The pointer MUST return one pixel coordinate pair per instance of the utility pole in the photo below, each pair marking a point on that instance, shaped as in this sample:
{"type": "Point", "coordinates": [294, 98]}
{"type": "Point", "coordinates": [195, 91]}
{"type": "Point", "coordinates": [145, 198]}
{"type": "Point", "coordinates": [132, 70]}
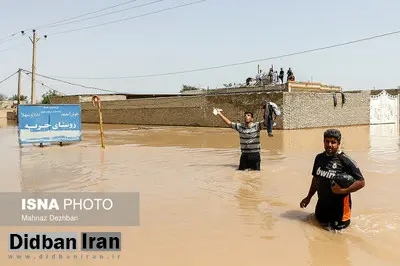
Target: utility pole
{"type": "Point", "coordinates": [33, 85]}
{"type": "Point", "coordinates": [19, 86]}
{"type": "Point", "coordinates": [34, 40]}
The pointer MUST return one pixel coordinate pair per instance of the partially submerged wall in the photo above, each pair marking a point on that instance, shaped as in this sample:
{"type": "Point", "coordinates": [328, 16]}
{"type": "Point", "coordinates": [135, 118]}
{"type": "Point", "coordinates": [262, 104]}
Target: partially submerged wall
{"type": "Point", "coordinates": [299, 109]}
{"type": "Point", "coordinates": [76, 99]}
{"type": "Point", "coordinates": [182, 111]}
{"type": "Point", "coordinates": [310, 110]}
{"type": "Point", "coordinates": [10, 114]}
{"type": "Point", "coordinates": [65, 100]}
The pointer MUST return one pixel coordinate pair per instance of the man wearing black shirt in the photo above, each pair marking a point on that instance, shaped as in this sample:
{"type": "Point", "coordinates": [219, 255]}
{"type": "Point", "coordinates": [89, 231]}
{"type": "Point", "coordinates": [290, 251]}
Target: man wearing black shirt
{"type": "Point", "coordinates": [281, 75]}
{"type": "Point", "coordinates": [333, 208]}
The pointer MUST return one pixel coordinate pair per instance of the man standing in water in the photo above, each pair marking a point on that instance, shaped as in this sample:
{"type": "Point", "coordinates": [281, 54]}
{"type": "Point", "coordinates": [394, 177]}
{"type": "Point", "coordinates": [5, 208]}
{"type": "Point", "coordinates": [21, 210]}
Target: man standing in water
{"type": "Point", "coordinates": [249, 133]}
{"type": "Point", "coordinates": [333, 210]}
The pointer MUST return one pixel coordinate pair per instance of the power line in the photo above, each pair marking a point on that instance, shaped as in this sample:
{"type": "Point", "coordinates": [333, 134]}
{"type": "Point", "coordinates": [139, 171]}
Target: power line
{"type": "Point", "coordinates": [4, 39]}
{"type": "Point", "coordinates": [54, 24]}
{"type": "Point", "coordinates": [240, 63]}
{"type": "Point", "coordinates": [129, 18]}
{"type": "Point", "coordinates": [44, 85]}
{"type": "Point", "coordinates": [8, 77]}
{"type": "Point", "coordinates": [12, 47]}
{"type": "Point", "coordinates": [73, 84]}
{"type": "Point", "coordinates": [103, 15]}
{"type": "Point", "coordinates": [9, 37]}
{"type": "Point", "coordinates": [86, 14]}
{"type": "Point", "coordinates": [48, 87]}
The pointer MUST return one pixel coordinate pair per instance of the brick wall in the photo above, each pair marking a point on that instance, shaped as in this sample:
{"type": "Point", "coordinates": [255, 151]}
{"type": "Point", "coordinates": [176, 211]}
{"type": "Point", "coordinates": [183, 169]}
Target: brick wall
{"type": "Point", "coordinates": [269, 88]}
{"type": "Point", "coordinates": [181, 111]}
{"type": "Point", "coordinates": [309, 110]}
{"type": "Point", "coordinates": [299, 109]}
{"type": "Point", "coordinates": [65, 100]}
{"type": "Point", "coordinates": [72, 99]}
{"type": "Point", "coordinates": [103, 98]}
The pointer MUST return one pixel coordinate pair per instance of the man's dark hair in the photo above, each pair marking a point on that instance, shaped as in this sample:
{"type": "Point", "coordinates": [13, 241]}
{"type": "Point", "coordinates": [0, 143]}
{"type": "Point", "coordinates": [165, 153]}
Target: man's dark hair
{"type": "Point", "coordinates": [333, 133]}
{"type": "Point", "coordinates": [249, 113]}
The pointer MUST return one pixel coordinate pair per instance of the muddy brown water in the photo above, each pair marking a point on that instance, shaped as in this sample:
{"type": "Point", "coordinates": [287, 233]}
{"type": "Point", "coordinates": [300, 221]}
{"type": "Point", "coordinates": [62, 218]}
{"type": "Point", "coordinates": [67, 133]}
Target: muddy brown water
{"type": "Point", "coordinates": [197, 209]}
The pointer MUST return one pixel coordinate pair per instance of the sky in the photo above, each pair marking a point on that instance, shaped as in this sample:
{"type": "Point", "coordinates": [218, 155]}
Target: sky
{"type": "Point", "coordinates": [206, 34]}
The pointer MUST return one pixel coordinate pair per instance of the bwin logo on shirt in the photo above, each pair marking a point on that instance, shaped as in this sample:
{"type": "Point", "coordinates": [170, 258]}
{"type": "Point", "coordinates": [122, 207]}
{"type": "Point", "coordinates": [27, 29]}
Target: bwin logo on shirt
{"type": "Point", "coordinates": [324, 173]}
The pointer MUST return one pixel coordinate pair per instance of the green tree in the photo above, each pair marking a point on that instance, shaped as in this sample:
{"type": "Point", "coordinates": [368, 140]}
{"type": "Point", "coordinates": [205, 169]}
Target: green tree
{"type": "Point", "coordinates": [21, 97]}
{"type": "Point", "coordinates": [230, 85]}
{"type": "Point", "coordinates": [48, 95]}
{"type": "Point", "coordinates": [189, 88]}
{"type": "Point", "coordinates": [3, 97]}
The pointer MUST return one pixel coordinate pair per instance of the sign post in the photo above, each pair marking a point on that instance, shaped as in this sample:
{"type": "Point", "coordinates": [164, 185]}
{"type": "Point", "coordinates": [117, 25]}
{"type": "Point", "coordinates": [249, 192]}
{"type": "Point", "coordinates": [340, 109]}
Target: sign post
{"type": "Point", "coordinates": [49, 123]}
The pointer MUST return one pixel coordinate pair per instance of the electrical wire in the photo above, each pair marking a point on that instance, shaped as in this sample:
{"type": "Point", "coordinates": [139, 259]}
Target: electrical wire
{"type": "Point", "coordinates": [83, 15]}
{"type": "Point", "coordinates": [4, 80]}
{"type": "Point", "coordinates": [48, 87]}
{"type": "Point", "coordinates": [125, 19]}
{"type": "Point", "coordinates": [103, 15]}
{"type": "Point", "coordinates": [44, 85]}
{"type": "Point", "coordinates": [11, 36]}
{"type": "Point", "coordinates": [60, 22]}
{"type": "Point", "coordinates": [73, 84]}
{"type": "Point", "coordinates": [239, 63]}
{"type": "Point", "coordinates": [8, 38]}
{"type": "Point", "coordinates": [12, 47]}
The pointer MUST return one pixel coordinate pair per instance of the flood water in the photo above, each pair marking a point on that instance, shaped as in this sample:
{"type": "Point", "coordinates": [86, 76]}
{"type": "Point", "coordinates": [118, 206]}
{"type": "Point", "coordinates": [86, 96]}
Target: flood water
{"type": "Point", "coordinates": [197, 209]}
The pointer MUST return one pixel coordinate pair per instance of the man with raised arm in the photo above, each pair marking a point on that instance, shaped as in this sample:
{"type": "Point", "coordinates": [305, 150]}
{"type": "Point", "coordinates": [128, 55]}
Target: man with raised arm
{"type": "Point", "coordinates": [249, 133]}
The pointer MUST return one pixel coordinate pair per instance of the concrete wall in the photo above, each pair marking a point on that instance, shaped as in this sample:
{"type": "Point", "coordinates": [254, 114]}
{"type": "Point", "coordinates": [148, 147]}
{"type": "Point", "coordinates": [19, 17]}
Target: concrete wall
{"type": "Point", "coordinates": [292, 86]}
{"type": "Point", "coordinates": [6, 104]}
{"type": "Point", "coordinates": [7, 113]}
{"type": "Point", "coordinates": [65, 100]}
{"type": "Point", "coordinates": [181, 111]}
{"type": "Point", "coordinates": [266, 88]}
{"type": "Point", "coordinates": [76, 99]}
{"type": "Point", "coordinates": [103, 98]}
{"type": "Point", "coordinates": [299, 109]}
{"type": "Point", "coordinates": [3, 113]}
{"type": "Point", "coordinates": [309, 110]}
{"type": "Point", "coordinates": [9, 103]}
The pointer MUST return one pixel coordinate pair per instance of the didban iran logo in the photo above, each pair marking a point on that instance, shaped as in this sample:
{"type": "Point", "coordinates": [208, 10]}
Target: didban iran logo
{"type": "Point", "coordinates": [64, 241]}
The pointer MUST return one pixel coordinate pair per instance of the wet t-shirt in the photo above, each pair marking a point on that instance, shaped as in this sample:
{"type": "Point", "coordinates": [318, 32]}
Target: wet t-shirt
{"type": "Point", "coordinates": [249, 136]}
{"type": "Point", "coordinates": [331, 206]}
